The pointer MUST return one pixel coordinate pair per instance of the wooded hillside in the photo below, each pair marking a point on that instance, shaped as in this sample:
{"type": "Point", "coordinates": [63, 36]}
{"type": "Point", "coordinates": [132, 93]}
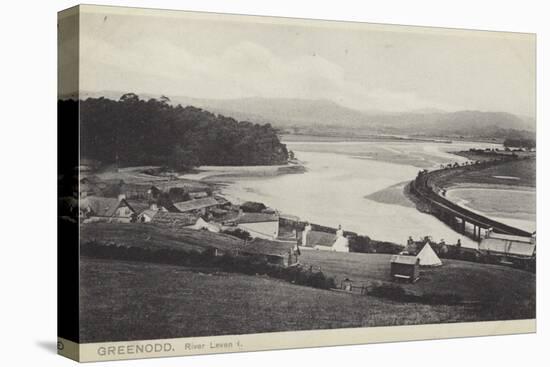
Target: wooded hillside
{"type": "Point", "coordinates": [132, 131]}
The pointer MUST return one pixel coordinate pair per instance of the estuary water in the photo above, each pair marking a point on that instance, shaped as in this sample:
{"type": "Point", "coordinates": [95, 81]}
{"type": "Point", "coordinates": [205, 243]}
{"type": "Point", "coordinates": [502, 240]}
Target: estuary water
{"type": "Point", "coordinates": [340, 178]}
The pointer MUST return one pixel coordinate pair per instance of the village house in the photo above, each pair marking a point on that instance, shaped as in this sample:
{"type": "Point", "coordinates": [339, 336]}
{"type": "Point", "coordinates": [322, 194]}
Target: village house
{"type": "Point", "coordinates": [259, 225]}
{"type": "Point", "coordinates": [97, 208]}
{"type": "Point", "coordinates": [325, 241]}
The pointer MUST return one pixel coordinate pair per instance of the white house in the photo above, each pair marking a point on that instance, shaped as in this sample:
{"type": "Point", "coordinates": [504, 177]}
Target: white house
{"type": "Point", "coordinates": [325, 241]}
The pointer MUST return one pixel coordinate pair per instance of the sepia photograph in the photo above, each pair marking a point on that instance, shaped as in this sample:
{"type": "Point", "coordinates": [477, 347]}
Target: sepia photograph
{"type": "Point", "coordinates": [240, 175]}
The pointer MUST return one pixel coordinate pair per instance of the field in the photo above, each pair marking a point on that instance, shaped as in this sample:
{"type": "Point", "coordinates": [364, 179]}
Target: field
{"type": "Point", "coordinates": [519, 204]}
{"type": "Point", "coordinates": [131, 301]}
{"type": "Point", "coordinates": [137, 300]}
{"type": "Point", "coordinates": [523, 171]}
{"type": "Point", "coordinates": [472, 282]}
{"type": "Point", "coordinates": [151, 236]}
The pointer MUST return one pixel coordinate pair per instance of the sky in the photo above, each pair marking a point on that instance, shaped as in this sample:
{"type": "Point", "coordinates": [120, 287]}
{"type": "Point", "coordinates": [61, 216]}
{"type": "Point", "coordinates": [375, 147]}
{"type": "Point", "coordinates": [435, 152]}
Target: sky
{"type": "Point", "coordinates": [360, 66]}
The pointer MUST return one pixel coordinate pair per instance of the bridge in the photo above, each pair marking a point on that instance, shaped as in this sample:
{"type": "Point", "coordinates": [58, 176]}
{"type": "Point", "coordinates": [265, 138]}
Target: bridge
{"type": "Point", "coordinates": [457, 217]}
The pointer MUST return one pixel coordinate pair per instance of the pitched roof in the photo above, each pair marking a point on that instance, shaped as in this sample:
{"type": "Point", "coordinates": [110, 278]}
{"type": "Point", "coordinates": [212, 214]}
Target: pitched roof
{"type": "Point", "coordinates": [196, 204]}
{"type": "Point", "coordinates": [174, 219]}
{"type": "Point", "coordinates": [265, 247]}
{"type": "Point", "coordinates": [257, 218]}
{"type": "Point", "coordinates": [138, 206]}
{"type": "Point", "coordinates": [102, 206]}
{"type": "Point", "coordinates": [402, 259]}
{"type": "Point", "coordinates": [151, 213]}
{"type": "Point", "coordinates": [318, 238]}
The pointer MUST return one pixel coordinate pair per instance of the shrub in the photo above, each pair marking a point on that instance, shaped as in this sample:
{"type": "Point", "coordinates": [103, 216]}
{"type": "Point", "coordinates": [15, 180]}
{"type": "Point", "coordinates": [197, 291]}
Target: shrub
{"type": "Point", "coordinates": [366, 245]}
{"type": "Point", "coordinates": [250, 265]}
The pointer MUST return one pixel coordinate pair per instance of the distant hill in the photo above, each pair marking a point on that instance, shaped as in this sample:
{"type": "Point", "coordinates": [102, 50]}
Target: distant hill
{"type": "Point", "coordinates": [297, 115]}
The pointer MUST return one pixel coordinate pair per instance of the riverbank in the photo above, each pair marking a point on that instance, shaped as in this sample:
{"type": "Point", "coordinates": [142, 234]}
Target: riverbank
{"type": "Point", "coordinates": [216, 174]}
{"type": "Point", "coordinates": [393, 195]}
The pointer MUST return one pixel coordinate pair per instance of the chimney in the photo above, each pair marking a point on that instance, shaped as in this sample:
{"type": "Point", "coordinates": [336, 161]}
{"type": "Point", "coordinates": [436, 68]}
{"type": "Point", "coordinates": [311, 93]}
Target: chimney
{"type": "Point", "coordinates": [121, 197]}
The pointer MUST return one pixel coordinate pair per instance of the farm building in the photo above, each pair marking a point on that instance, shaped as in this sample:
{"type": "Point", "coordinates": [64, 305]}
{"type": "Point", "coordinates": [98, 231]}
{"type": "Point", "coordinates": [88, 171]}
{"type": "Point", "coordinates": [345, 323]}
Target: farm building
{"type": "Point", "coordinates": [325, 241]}
{"type": "Point", "coordinates": [276, 253]}
{"type": "Point", "coordinates": [260, 225]}
{"type": "Point", "coordinates": [405, 268]}
{"type": "Point", "coordinates": [197, 206]}
{"type": "Point", "coordinates": [508, 246]}
{"type": "Point", "coordinates": [174, 220]}
{"type": "Point", "coordinates": [97, 208]}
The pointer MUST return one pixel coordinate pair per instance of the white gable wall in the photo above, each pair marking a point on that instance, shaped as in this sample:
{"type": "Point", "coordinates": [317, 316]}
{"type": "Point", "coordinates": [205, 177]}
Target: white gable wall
{"type": "Point", "coordinates": [265, 230]}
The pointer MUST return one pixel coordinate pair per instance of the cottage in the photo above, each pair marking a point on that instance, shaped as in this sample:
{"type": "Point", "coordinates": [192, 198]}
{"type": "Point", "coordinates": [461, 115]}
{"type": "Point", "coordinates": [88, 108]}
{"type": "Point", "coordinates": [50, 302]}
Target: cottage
{"type": "Point", "coordinates": [325, 241]}
{"type": "Point", "coordinates": [259, 225]}
{"type": "Point", "coordinates": [404, 267]}
{"type": "Point", "coordinates": [97, 208]}
{"type": "Point", "coordinates": [278, 253]}
{"type": "Point", "coordinates": [197, 206]}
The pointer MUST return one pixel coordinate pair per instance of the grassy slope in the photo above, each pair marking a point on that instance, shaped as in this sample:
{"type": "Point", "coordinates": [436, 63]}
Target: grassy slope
{"type": "Point", "coordinates": [497, 292]}
{"type": "Point", "coordinates": [152, 236]}
{"type": "Point", "coordinates": [474, 282]}
{"type": "Point", "coordinates": [132, 301]}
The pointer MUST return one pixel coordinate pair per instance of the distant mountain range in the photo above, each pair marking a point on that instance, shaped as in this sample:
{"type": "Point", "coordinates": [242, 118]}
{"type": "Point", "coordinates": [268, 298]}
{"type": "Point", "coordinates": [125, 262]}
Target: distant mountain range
{"type": "Point", "coordinates": [303, 116]}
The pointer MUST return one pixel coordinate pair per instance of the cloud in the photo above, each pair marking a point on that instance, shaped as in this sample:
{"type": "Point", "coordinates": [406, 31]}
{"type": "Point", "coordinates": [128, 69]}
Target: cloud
{"type": "Point", "coordinates": [242, 70]}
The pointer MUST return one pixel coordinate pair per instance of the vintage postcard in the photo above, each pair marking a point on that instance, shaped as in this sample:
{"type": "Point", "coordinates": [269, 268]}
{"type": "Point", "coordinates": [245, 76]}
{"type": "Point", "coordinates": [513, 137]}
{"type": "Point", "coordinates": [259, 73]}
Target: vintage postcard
{"type": "Point", "coordinates": [234, 183]}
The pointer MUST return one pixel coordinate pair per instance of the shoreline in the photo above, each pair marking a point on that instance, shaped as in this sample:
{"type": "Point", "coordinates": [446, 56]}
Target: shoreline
{"type": "Point", "coordinates": [212, 174]}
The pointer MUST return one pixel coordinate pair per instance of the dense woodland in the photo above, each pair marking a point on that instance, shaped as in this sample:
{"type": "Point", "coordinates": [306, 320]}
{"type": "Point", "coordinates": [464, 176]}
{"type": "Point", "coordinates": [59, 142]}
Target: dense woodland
{"type": "Point", "coordinates": [132, 131]}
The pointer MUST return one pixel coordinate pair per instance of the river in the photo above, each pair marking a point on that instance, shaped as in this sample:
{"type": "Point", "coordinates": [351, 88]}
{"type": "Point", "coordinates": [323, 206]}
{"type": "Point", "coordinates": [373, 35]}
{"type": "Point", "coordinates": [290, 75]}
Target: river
{"type": "Point", "coordinates": [341, 175]}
